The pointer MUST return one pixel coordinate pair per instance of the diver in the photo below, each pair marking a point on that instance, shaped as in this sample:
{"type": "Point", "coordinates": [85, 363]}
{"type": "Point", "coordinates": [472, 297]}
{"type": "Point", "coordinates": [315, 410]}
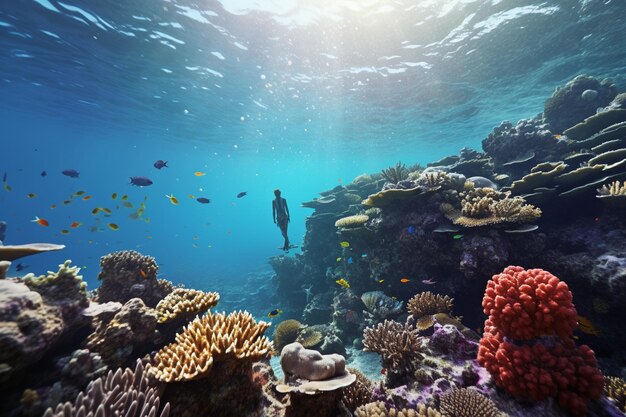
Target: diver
{"type": "Point", "coordinates": [280, 213]}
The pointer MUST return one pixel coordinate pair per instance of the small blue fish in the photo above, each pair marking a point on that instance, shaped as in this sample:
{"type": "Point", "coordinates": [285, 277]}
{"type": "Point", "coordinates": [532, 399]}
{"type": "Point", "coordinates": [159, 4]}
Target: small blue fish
{"type": "Point", "coordinates": [203, 200]}
{"type": "Point", "coordinates": [160, 164]}
{"type": "Point", "coordinates": [350, 260]}
{"type": "Point", "coordinates": [72, 173]}
{"type": "Point", "coordinates": [410, 230]}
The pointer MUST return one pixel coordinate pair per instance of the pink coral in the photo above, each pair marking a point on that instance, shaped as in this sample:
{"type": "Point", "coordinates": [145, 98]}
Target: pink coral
{"type": "Point", "coordinates": [528, 347]}
{"type": "Point", "coordinates": [524, 304]}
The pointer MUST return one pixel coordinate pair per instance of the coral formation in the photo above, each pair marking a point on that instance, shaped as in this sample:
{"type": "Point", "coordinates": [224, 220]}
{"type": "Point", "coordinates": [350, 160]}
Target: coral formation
{"type": "Point", "coordinates": [183, 303]}
{"type": "Point", "coordinates": [424, 305]}
{"type": "Point", "coordinates": [379, 409]}
{"type": "Point", "coordinates": [615, 389]}
{"type": "Point", "coordinates": [466, 402]}
{"type": "Point", "coordinates": [356, 220]}
{"type": "Point", "coordinates": [527, 345]}
{"type": "Point", "coordinates": [214, 337]}
{"type": "Point", "coordinates": [614, 188]}
{"type": "Point", "coordinates": [13, 252]}
{"type": "Point", "coordinates": [359, 393]}
{"type": "Point", "coordinates": [381, 305]}
{"type": "Point", "coordinates": [127, 392]}
{"type": "Point", "coordinates": [286, 332]}
{"type": "Point", "coordinates": [129, 274]}
{"type": "Point", "coordinates": [396, 173]}
{"type": "Point", "coordinates": [309, 364]}
{"type": "Point", "coordinates": [309, 337]}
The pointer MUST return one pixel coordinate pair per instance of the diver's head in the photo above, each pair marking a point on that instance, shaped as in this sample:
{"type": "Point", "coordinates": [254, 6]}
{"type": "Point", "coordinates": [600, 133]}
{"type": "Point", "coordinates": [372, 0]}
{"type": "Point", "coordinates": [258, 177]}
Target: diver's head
{"type": "Point", "coordinates": [277, 192]}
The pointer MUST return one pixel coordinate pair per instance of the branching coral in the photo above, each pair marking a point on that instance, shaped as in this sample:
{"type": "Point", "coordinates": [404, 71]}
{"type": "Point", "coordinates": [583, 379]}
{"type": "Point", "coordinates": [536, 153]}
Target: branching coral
{"type": "Point", "coordinates": [614, 188]}
{"type": "Point", "coordinates": [615, 389]}
{"type": "Point", "coordinates": [183, 303]}
{"type": "Point", "coordinates": [286, 332]}
{"type": "Point", "coordinates": [395, 174]}
{"type": "Point", "coordinates": [378, 409]}
{"type": "Point", "coordinates": [398, 344]}
{"type": "Point", "coordinates": [359, 393]}
{"type": "Point", "coordinates": [467, 402]}
{"type": "Point", "coordinates": [121, 393]}
{"type": "Point", "coordinates": [357, 220]}
{"type": "Point", "coordinates": [380, 304]}
{"type": "Point", "coordinates": [426, 304]}
{"type": "Point", "coordinates": [212, 337]}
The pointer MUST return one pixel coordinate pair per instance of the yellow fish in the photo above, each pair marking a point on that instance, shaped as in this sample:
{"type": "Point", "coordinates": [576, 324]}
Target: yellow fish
{"type": "Point", "coordinates": [344, 244]}
{"type": "Point", "coordinates": [106, 210]}
{"type": "Point", "coordinates": [79, 193]}
{"type": "Point", "coordinates": [147, 220]}
{"type": "Point", "coordinates": [53, 206]}
{"type": "Point", "coordinates": [113, 226]}
{"type": "Point", "coordinates": [338, 259]}
{"type": "Point", "coordinates": [96, 210]}
{"type": "Point", "coordinates": [192, 196]}
{"type": "Point", "coordinates": [381, 281]}
{"type": "Point", "coordinates": [199, 174]}
{"type": "Point", "coordinates": [114, 196]}
{"type": "Point", "coordinates": [65, 232]}
{"type": "Point", "coordinates": [586, 326]}
{"type": "Point", "coordinates": [127, 204]}
{"type": "Point", "coordinates": [124, 197]}
{"type": "Point", "coordinates": [173, 199]}
{"type": "Point", "coordinates": [31, 195]}
{"type": "Point", "coordinates": [343, 283]}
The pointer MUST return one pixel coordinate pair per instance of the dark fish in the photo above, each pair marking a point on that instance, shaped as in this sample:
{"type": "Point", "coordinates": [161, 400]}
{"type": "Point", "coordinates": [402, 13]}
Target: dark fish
{"type": "Point", "coordinates": [43, 173]}
{"type": "Point", "coordinates": [4, 177]}
{"type": "Point", "coordinates": [20, 267]}
{"type": "Point", "coordinates": [70, 173]}
{"type": "Point", "coordinates": [160, 164]}
{"type": "Point", "coordinates": [140, 181]}
{"type": "Point", "coordinates": [203, 200]}
{"type": "Point", "coordinates": [241, 194]}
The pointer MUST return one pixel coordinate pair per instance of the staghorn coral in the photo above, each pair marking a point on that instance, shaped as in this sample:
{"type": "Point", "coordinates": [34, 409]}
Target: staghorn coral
{"type": "Point", "coordinates": [359, 393]}
{"type": "Point", "coordinates": [466, 402]}
{"type": "Point", "coordinates": [379, 409]}
{"type": "Point", "coordinates": [129, 274]}
{"type": "Point", "coordinates": [427, 304]}
{"type": "Point", "coordinates": [614, 188]}
{"type": "Point", "coordinates": [615, 389]}
{"type": "Point", "coordinates": [396, 173]}
{"type": "Point", "coordinates": [129, 393]}
{"type": "Point", "coordinates": [212, 337]}
{"type": "Point", "coordinates": [381, 305]}
{"type": "Point", "coordinates": [398, 345]}
{"type": "Point", "coordinates": [183, 303]}
{"type": "Point", "coordinates": [357, 220]}
{"type": "Point", "coordinates": [286, 332]}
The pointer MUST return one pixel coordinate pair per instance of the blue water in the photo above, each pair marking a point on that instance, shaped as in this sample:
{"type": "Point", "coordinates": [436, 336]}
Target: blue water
{"type": "Point", "coordinates": [299, 95]}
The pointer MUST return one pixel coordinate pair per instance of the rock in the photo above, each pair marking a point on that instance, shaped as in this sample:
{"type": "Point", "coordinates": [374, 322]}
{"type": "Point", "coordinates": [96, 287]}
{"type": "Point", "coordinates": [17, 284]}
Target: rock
{"type": "Point", "coordinates": [309, 364]}
{"type": "Point", "coordinates": [3, 230]}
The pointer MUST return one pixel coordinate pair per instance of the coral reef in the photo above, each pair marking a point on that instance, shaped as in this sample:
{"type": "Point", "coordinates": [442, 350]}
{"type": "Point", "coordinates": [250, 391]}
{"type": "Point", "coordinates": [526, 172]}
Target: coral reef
{"type": "Point", "coordinates": [379, 409]}
{"type": "Point", "coordinates": [299, 362]}
{"type": "Point", "coordinates": [286, 332]}
{"type": "Point", "coordinates": [396, 173]}
{"type": "Point", "coordinates": [426, 304]}
{"type": "Point", "coordinates": [380, 305]}
{"type": "Point", "coordinates": [129, 274]}
{"type": "Point", "coordinates": [466, 402]}
{"type": "Point", "coordinates": [527, 345]}
{"type": "Point", "coordinates": [359, 393]}
{"type": "Point", "coordinates": [356, 220]}
{"type": "Point", "coordinates": [182, 304]}
{"type": "Point", "coordinates": [127, 392]}
{"type": "Point", "coordinates": [615, 389]}
{"type": "Point", "coordinates": [214, 337]}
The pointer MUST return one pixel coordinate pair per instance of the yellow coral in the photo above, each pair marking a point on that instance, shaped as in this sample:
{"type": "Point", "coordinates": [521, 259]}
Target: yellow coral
{"type": "Point", "coordinates": [212, 337]}
{"type": "Point", "coordinates": [352, 221]}
{"type": "Point", "coordinates": [615, 388]}
{"type": "Point", "coordinates": [378, 409]}
{"type": "Point", "coordinates": [184, 303]}
{"type": "Point", "coordinates": [614, 188]}
{"type": "Point", "coordinates": [467, 402]}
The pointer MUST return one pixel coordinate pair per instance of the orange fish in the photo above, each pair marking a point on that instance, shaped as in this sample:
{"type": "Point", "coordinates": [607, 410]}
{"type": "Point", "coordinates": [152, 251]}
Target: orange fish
{"type": "Point", "coordinates": [143, 274]}
{"type": "Point", "coordinates": [405, 280]}
{"type": "Point", "coordinates": [87, 197]}
{"type": "Point", "coordinates": [383, 371]}
{"type": "Point", "coordinates": [74, 225]}
{"type": "Point", "coordinates": [41, 222]}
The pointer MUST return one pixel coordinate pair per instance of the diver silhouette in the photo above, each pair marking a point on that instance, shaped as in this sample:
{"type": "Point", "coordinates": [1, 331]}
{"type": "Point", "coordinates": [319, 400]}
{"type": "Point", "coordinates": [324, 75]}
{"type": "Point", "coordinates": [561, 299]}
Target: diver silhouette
{"type": "Point", "coordinates": [280, 213]}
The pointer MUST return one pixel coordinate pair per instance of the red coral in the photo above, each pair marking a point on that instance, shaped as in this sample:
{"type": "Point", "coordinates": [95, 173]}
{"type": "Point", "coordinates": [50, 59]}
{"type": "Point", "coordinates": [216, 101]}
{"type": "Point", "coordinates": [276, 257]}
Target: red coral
{"type": "Point", "coordinates": [527, 345]}
{"type": "Point", "coordinates": [527, 304]}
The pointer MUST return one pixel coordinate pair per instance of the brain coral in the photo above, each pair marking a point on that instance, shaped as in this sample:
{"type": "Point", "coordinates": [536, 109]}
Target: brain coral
{"type": "Point", "coordinates": [212, 337]}
{"type": "Point", "coordinates": [183, 303]}
{"type": "Point", "coordinates": [524, 304]}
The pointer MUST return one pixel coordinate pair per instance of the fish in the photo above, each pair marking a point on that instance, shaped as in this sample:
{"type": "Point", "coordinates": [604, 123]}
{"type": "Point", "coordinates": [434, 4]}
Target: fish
{"type": "Point", "coordinates": [380, 281]}
{"type": "Point", "coordinates": [339, 259]}
{"type": "Point", "coordinates": [457, 237]}
{"type": "Point", "coordinates": [364, 255]}
{"type": "Point", "coordinates": [383, 371]}
{"type": "Point", "coordinates": [405, 280]}
{"type": "Point", "coordinates": [87, 197]}
{"type": "Point", "coordinates": [557, 136]}
{"type": "Point", "coordinates": [114, 196]}
{"type": "Point", "coordinates": [96, 210]}
{"type": "Point", "coordinates": [203, 200]}
{"type": "Point", "coordinates": [350, 260]}
{"type": "Point", "coordinates": [344, 244]}
{"type": "Point", "coordinates": [53, 206]}
{"type": "Point", "coordinates": [20, 267]}
{"type": "Point", "coordinates": [147, 220]}
{"type": "Point", "coordinates": [173, 199]}
{"type": "Point", "coordinates": [74, 225]}
{"type": "Point", "coordinates": [31, 195]}
{"type": "Point", "coordinates": [127, 204]}
{"type": "Point", "coordinates": [199, 174]}
{"type": "Point", "coordinates": [586, 326]}
{"type": "Point", "coordinates": [160, 164]}
{"type": "Point", "coordinates": [124, 197]}
{"type": "Point", "coordinates": [7, 187]}
{"type": "Point", "coordinates": [410, 230]}
{"type": "Point", "coordinates": [65, 232]}
{"type": "Point", "coordinates": [43, 173]}
{"type": "Point", "coordinates": [274, 313]}
{"type": "Point", "coordinates": [242, 194]}
{"type": "Point", "coordinates": [93, 229]}
{"type": "Point", "coordinates": [113, 226]}
{"type": "Point", "coordinates": [140, 181]}
{"type": "Point", "coordinates": [191, 196]}
{"type": "Point", "coordinates": [72, 173]}
{"type": "Point", "coordinates": [343, 283]}
{"type": "Point", "coordinates": [78, 193]}
{"type": "Point", "coordinates": [428, 281]}
{"type": "Point", "coordinates": [106, 210]}
{"type": "Point", "coordinates": [41, 222]}
{"type": "Point", "coordinates": [143, 273]}
{"type": "Point", "coordinates": [66, 202]}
